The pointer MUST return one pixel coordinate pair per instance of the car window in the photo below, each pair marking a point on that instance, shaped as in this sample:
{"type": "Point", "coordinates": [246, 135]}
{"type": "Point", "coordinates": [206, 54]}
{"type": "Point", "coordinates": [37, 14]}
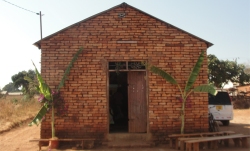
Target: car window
{"type": "Point", "coordinates": [222, 98]}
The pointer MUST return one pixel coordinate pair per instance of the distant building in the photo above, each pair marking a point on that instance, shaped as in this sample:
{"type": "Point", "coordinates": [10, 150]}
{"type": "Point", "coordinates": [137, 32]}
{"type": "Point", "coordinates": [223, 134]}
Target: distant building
{"type": "Point", "coordinates": [15, 93]}
{"type": "Point", "coordinates": [4, 92]}
{"type": "Point", "coordinates": [10, 94]}
{"type": "Point", "coordinates": [244, 90]}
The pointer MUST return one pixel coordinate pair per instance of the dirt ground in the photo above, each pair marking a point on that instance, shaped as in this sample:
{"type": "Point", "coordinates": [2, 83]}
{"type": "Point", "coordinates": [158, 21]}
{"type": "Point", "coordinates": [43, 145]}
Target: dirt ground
{"type": "Point", "coordinates": [17, 139]}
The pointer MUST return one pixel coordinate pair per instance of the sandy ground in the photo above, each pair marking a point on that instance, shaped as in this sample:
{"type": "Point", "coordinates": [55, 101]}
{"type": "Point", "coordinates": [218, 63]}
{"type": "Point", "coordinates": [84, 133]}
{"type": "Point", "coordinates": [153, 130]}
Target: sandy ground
{"type": "Point", "coordinates": [17, 139]}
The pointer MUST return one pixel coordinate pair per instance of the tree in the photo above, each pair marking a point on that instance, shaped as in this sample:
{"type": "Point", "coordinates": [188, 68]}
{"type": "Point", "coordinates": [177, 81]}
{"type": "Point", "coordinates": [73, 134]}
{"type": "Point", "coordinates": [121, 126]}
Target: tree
{"type": "Point", "coordinates": [244, 74]}
{"type": "Point", "coordinates": [19, 81]}
{"type": "Point", "coordinates": [220, 72]}
{"type": "Point", "coordinates": [10, 88]}
{"type": "Point", "coordinates": [186, 92]}
{"type": "Point", "coordinates": [1, 95]}
{"type": "Point", "coordinates": [247, 68]}
{"type": "Point", "coordinates": [215, 71]}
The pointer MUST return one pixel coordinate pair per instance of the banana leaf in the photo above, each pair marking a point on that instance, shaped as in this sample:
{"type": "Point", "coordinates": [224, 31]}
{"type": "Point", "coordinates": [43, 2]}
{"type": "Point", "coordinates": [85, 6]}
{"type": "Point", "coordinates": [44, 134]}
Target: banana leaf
{"type": "Point", "coordinates": [43, 87]}
{"type": "Point", "coordinates": [206, 88]}
{"type": "Point", "coordinates": [28, 79]}
{"type": "Point", "coordinates": [37, 120]}
{"type": "Point", "coordinates": [195, 72]}
{"type": "Point", "coordinates": [163, 74]}
{"type": "Point", "coordinates": [65, 76]}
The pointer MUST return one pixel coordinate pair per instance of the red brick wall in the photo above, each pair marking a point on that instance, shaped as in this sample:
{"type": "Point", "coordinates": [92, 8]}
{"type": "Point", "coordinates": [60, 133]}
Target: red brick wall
{"type": "Point", "coordinates": [85, 91]}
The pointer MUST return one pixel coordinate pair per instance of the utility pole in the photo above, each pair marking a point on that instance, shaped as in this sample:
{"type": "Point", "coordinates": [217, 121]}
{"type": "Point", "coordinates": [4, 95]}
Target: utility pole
{"type": "Point", "coordinates": [41, 28]}
{"type": "Point", "coordinates": [41, 25]}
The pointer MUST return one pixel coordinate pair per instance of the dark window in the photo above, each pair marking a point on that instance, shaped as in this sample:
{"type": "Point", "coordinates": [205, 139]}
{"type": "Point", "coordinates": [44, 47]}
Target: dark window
{"type": "Point", "coordinates": [222, 98]}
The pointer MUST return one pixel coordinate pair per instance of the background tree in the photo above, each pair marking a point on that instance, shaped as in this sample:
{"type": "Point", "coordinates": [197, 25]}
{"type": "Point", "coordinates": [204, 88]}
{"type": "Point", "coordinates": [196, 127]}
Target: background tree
{"type": "Point", "coordinates": [221, 72]}
{"type": "Point", "coordinates": [215, 71]}
{"type": "Point", "coordinates": [247, 68]}
{"type": "Point", "coordinates": [1, 95]}
{"type": "Point", "coordinates": [244, 76]}
{"type": "Point", "coordinates": [19, 81]}
{"type": "Point", "coordinates": [10, 88]}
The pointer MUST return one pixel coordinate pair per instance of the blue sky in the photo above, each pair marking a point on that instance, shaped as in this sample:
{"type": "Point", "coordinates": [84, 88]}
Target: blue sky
{"type": "Point", "coordinates": [225, 23]}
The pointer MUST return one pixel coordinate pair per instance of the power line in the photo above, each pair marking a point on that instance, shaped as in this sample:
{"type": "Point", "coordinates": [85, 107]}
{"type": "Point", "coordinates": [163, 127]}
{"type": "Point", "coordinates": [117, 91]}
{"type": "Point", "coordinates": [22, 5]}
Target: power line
{"type": "Point", "coordinates": [21, 7]}
{"type": "Point", "coordinates": [40, 14]}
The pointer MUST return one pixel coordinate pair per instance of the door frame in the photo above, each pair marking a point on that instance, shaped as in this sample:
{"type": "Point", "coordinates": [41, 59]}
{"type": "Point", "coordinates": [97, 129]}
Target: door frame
{"type": "Point", "coordinates": [107, 90]}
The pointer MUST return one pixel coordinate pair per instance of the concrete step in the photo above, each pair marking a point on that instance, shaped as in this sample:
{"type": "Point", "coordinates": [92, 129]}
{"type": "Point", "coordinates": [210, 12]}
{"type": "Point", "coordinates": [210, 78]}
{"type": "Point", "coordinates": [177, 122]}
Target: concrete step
{"type": "Point", "coordinates": [129, 144]}
{"type": "Point", "coordinates": [128, 137]}
{"type": "Point", "coordinates": [128, 140]}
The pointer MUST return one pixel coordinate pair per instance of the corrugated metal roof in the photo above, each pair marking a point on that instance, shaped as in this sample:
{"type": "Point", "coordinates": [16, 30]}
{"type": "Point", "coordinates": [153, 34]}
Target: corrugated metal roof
{"type": "Point", "coordinates": [121, 5]}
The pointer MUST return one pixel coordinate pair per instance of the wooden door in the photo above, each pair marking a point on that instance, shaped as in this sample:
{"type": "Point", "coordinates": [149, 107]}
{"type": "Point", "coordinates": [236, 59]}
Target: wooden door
{"type": "Point", "coordinates": [137, 104]}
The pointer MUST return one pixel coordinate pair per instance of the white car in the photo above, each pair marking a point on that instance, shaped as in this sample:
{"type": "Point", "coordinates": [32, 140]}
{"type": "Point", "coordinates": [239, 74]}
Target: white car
{"type": "Point", "coordinates": [221, 107]}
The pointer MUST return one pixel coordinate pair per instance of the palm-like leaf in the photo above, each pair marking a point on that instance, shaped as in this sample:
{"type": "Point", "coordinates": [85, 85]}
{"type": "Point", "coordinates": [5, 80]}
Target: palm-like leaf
{"type": "Point", "coordinates": [37, 120]}
{"type": "Point", "coordinates": [66, 73]}
{"type": "Point", "coordinates": [192, 78]}
{"type": "Point", "coordinates": [206, 88]}
{"type": "Point", "coordinates": [43, 87]}
{"type": "Point", "coordinates": [28, 79]}
{"type": "Point", "coordinates": [163, 74]}
{"type": "Point", "coordinates": [195, 72]}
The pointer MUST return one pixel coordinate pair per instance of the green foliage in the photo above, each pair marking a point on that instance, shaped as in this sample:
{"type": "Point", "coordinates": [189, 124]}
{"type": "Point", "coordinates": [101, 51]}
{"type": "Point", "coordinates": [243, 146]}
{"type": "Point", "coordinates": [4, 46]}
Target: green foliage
{"type": "Point", "coordinates": [47, 96]}
{"type": "Point", "coordinates": [195, 72]}
{"type": "Point", "coordinates": [10, 88]}
{"type": "Point", "coordinates": [65, 76]}
{"type": "Point", "coordinates": [33, 84]}
{"type": "Point", "coordinates": [188, 88]}
{"type": "Point", "coordinates": [38, 118]}
{"type": "Point", "coordinates": [205, 88]}
{"type": "Point", "coordinates": [244, 74]}
{"type": "Point", "coordinates": [247, 68]}
{"type": "Point", "coordinates": [43, 87]}
{"type": "Point", "coordinates": [19, 81]}
{"type": "Point", "coordinates": [221, 72]}
{"type": "Point", "coordinates": [163, 74]}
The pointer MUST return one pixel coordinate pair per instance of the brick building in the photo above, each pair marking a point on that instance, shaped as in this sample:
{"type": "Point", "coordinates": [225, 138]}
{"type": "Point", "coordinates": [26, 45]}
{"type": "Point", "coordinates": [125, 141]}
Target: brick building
{"type": "Point", "coordinates": [115, 41]}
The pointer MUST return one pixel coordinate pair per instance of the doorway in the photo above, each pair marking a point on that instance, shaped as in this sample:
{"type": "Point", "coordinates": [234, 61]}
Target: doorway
{"type": "Point", "coordinates": [118, 102]}
{"type": "Point", "coordinates": [127, 102]}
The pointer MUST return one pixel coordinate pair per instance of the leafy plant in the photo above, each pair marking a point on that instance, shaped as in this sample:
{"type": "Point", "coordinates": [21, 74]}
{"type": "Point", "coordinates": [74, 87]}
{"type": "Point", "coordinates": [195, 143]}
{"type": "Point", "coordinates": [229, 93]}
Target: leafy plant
{"type": "Point", "coordinates": [185, 93]}
{"type": "Point", "coordinates": [49, 98]}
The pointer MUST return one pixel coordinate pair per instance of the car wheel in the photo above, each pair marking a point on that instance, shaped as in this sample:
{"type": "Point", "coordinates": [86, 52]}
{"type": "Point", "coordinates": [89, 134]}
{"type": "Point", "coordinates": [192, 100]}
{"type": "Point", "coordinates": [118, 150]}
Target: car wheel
{"type": "Point", "coordinates": [225, 123]}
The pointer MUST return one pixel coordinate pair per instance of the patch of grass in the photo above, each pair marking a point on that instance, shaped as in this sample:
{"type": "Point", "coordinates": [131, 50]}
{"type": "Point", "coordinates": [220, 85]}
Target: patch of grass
{"type": "Point", "coordinates": [14, 111]}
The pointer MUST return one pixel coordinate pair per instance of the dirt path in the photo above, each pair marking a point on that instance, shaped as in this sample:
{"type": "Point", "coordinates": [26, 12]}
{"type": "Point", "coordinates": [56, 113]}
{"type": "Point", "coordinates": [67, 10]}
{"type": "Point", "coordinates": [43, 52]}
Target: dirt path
{"type": "Point", "coordinates": [18, 139]}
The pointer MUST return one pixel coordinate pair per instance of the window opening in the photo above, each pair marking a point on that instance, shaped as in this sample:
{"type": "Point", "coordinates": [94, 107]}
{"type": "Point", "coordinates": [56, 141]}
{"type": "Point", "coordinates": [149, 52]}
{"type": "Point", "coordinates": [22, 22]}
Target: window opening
{"type": "Point", "coordinates": [126, 65]}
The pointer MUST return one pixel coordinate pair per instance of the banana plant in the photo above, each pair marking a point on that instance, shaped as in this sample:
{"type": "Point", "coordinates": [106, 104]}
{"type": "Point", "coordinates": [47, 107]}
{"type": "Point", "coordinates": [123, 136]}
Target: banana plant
{"type": "Point", "coordinates": [47, 95]}
{"type": "Point", "coordinates": [185, 93]}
